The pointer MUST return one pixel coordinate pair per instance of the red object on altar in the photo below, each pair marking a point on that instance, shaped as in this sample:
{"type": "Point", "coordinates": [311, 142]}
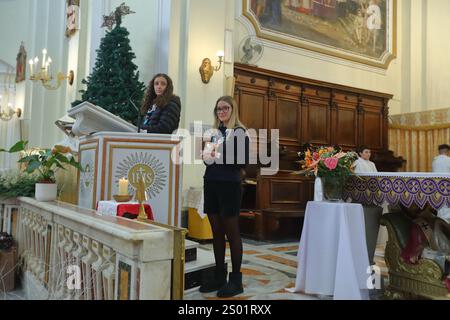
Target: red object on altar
{"type": "Point", "coordinates": [134, 210]}
{"type": "Point", "coordinates": [131, 209]}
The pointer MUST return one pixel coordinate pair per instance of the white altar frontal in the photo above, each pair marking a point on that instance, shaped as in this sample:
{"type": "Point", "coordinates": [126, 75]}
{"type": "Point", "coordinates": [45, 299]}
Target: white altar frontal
{"type": "Point", "coordinates": [107, 157]}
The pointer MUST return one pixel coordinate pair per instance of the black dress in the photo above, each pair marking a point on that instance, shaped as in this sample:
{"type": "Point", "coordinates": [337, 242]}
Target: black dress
{"type": "Point", "coordinates": [222, 179]}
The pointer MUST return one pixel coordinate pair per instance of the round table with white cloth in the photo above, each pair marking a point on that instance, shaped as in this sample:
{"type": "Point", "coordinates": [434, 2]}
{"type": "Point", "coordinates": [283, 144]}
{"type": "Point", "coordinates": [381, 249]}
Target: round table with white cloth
{"type": "Point", "coordinates": [332, 258]}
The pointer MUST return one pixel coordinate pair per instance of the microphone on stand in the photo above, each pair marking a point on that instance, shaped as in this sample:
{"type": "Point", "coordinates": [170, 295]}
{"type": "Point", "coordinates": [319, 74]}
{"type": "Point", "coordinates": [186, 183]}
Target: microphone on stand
{"type": "Point", "coordinates": [139, 115]}
{"type": "Point", "coordinates": [137, 110]}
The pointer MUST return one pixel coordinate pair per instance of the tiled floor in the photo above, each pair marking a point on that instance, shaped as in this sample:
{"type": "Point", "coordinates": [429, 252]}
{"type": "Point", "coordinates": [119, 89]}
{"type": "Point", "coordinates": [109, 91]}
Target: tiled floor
{"type": "Point", "coordinates": [269, 268]}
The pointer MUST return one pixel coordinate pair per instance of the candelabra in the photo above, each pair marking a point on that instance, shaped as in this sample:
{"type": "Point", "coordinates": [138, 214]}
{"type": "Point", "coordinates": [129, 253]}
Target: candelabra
{"type": "Point", "coordinates": [45, 76]}
{"type": "Point", "coordinates": [8, 113]}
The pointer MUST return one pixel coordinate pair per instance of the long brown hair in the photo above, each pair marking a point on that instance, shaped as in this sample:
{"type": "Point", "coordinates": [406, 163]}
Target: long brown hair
{"type": "Point", "coordinates": [234, 121]}
{"type": "Point", "coordinates": [150, 97]}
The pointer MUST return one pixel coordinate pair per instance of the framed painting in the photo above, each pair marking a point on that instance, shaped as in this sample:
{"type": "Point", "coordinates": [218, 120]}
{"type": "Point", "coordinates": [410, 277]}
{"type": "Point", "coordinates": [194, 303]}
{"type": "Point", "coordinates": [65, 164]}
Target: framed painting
{"type": "Point", "coordinates": [363, 31]}
{"type": "Point", "coordinates": [72, 17]}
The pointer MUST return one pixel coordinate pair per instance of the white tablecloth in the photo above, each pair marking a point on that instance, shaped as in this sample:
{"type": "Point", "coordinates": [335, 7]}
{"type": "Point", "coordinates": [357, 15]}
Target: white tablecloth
{"type": "Point", "coordinates": [332, 257]}
{"type": "Point", "coordinates": [193, 198]}
{"type": "Point", "coordinates": [109, 208]}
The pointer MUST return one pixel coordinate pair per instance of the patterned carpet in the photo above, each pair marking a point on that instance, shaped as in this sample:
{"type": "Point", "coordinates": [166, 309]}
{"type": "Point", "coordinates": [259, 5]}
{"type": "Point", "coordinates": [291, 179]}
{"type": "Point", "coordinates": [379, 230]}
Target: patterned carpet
{"type": "Point", "coordinates": [268, 269]}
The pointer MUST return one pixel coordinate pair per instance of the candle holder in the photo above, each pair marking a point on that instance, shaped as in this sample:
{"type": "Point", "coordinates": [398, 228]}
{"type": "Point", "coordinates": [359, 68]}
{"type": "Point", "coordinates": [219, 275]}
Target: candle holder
{"type": "Point", "coordinates": [141, 197]}
{"type": "Point", "coordinates": [123, 198]}
{"type": "Point", "coordinates": [45, 76]}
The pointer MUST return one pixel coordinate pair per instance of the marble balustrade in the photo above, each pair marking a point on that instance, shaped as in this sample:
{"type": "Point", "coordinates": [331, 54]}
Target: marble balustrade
{"type": "Point", "coordinates": [75, 254]}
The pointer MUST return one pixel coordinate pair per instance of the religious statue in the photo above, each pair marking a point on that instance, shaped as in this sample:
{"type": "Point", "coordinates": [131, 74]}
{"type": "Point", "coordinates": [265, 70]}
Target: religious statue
{"type": "Point", "coordinates": [429, 238]}
{"type": "Point", "coordinates": [21, 64]}
{"type": "Point", "coordinates": [72, 17]}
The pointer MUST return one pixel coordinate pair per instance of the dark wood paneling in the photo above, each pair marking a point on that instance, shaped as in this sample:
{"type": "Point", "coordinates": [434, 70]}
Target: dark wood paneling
{"type": "Point", "coordinates": [304, 111]}
{"type": "Point", "coordinates": [253, 107]}
{"type": "Point", "coordinates": [347, 126]}
{"type": "Point", "coordinates": [373, 125]}
{"type": "Point", "coordinates": [287, 118]}
{"type": "Point", "coordinates": [285, 192]}
{"type": "Point", "coordinates": [317, 122]}
{"type": "Point", "coordinates": [327, 114]}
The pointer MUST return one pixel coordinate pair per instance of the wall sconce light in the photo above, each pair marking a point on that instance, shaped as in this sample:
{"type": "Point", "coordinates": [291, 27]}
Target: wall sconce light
{"type": "Point", "coordinates": [45, 76]}
{"type": "Point", "coordinates": [8, 113]}
{"type": "Point", "coordinates": [207, 70]}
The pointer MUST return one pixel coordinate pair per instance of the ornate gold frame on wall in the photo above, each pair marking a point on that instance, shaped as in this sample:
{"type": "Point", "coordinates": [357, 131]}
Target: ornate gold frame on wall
{"type": "Point", "coordinates": [382, 63]}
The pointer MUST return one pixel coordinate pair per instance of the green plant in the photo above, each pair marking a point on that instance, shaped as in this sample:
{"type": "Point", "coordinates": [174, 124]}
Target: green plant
{"type": "Point", "coordinates": [14, 184]}
{"type": "Point", "coordinates": [114, 82]}
{"type": "Point", "coordinates": [45, 162]}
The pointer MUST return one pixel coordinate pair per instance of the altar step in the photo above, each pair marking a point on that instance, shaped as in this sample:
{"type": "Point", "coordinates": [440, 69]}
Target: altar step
{"type": "Point", "coordinates": [198, 262]}
{"type": "Point", "coordinates": [191, 250]}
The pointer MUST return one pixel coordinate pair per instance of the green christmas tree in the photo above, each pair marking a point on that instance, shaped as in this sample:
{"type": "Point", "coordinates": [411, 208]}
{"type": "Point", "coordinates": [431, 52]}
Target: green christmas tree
{"type": "Point", "coordinates": [115, 79]}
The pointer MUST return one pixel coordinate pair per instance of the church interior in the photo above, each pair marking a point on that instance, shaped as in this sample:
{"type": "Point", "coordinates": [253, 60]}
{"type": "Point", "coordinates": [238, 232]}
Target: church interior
{"type": "Point", "coordinates": [345, 192]}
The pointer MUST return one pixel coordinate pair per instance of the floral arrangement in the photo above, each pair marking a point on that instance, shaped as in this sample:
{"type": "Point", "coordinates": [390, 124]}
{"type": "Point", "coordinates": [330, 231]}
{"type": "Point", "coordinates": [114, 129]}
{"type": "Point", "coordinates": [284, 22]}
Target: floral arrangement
{"type": "Point", "coordinates": [45, 162]}
{"type": "Point", "coordinates": [327, 162]}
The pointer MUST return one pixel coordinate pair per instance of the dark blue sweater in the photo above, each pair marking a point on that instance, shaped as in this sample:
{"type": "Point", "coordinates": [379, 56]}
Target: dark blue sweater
{"type": "Point", "coordinates": [228, 168]}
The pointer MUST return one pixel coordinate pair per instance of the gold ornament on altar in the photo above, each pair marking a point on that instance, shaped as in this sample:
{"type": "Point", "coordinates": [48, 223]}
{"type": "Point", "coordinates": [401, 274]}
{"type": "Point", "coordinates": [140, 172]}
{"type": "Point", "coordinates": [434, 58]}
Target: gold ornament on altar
{"type": "Point", "coordinates": [144, 165]}
{"type": "Point", "coordinates": [141, 197]}
{"type": "Point", "coordinates": [141, 171]}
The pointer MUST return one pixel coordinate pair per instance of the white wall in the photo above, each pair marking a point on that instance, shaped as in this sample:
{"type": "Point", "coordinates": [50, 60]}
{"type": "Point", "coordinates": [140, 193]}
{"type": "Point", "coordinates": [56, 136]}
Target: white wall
{"type": "Point", "coordinates": [437, 76]}
{"type": "Point", "coordinates": [197, 32]}
{"type": "Point", "coordinates": [9, 130]}
{"type": "Point", "coordinates": [40, 24]}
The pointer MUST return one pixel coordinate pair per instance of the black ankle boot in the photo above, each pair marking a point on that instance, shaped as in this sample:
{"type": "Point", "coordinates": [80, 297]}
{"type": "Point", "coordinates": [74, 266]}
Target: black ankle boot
{"type": "Point", "coordinates": [233, 287]}
{"type": "Point", "coordinates": [214, 282]}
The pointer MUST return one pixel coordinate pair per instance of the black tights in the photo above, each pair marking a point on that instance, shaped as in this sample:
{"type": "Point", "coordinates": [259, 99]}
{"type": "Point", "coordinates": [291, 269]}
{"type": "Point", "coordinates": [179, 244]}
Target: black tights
{"type": "Point", "coordinates": [229, 226]}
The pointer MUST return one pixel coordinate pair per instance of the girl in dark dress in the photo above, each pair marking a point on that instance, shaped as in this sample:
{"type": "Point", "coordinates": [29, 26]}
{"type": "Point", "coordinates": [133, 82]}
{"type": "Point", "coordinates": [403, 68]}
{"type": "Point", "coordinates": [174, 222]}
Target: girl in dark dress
{"type": "Point", "coordinates": [225, 156]}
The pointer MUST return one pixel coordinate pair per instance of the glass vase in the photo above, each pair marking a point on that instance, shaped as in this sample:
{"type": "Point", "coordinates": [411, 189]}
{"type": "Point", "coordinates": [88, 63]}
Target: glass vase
{"type": "Point", "coordinates": [333, 188]}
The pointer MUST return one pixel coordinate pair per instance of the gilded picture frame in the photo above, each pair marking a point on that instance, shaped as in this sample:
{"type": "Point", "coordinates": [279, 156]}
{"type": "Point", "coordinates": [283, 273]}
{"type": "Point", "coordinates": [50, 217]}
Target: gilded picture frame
{"type": "Point", "coordinates": [361, 31]}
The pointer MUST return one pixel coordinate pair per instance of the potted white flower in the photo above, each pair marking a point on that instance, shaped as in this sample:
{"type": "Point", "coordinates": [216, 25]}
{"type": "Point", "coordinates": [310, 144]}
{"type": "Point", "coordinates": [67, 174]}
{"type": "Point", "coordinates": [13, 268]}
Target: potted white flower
{"type": "Point", "coordinates": [45, 163]}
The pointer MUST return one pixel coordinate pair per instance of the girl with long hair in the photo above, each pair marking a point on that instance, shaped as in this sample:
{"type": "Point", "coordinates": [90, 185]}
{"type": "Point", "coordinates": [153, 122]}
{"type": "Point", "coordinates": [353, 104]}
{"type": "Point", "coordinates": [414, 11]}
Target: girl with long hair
{"type": "Point", "coordinates": [225, 158]}
{"type": "Point", "coordinates": [160, 107]}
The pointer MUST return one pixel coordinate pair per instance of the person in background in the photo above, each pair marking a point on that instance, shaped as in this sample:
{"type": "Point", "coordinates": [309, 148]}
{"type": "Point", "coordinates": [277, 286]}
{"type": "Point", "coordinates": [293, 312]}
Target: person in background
{"type": "Point", "coordinates": [160, 107]}
{"type": "Point", "coordinates": [374, 21]}
{"type": "Point", "coordinates": [225, 156]}
{"type": "Point", "coordinates": [441, 164]}
{"type": "Point", "coordinates": [363, 164]}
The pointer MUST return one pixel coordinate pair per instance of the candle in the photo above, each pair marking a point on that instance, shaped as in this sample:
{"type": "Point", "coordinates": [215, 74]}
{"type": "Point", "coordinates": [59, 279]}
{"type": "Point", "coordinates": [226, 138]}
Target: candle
{"type": "Point", "coordinates": [44, 53]}
{"type": "Point", "coordinates": [49, 61]}
{"type": "Point", "coordinates": [123, 187]}
{"type": "Point", "coordinates": [36, 61]}
{"type": "Point", "coordinates": [31, 67]}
